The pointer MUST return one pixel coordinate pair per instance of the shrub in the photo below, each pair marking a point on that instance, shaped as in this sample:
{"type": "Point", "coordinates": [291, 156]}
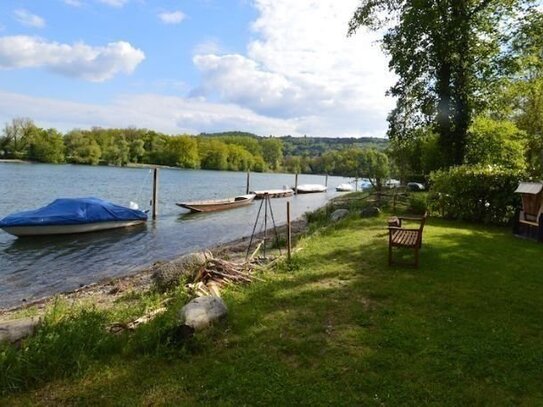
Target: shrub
{"type": "Point", "coordinates": [476, 193]}
{"type": "Point", "coordinates": [418, 203]}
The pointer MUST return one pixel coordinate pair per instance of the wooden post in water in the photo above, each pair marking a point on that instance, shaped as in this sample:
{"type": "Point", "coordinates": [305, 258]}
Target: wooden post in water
{"type": "Point", "coordinates": [326, 181]}
{"type": "Point", "coordinates": [248, 181]}
{"type": "Point", "coordinates": [155, 193]}
{"type": "Point", "coordinates": [356, 184]}
{"type": "Point", "coordinates": [289, 242]}
{"type": "Point", "coordinates": [296, 184]}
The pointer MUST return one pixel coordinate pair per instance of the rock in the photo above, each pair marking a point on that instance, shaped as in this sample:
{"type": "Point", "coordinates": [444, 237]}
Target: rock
{"type": "Point", "coordinates": [167, 275]}
{"type": "Point", "coordinates": [201, 312]}
{"type": "Point", "coordinates": [17, 329]}
{"type": "Point", "coordinates": [370, 212]}
{"type": "Point", "coordinates": [338, 214]}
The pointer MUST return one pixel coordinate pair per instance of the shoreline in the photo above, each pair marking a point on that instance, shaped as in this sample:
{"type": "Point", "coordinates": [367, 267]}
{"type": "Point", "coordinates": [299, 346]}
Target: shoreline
{"type": "Point", "coordinates": [105, 292]}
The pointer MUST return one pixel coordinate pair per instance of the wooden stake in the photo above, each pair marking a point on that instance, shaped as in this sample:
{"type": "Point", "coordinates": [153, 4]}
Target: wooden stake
{"type": "Point", "coordinates": [289, 242]}
{"type": "Point", "coordinates": [356, 184]}
{"type": "Point", "coordinates": [296, 184]}
{"type": "Point", "coordinates": [155, 193]}
{"type": "Point", "coordinates": [248, 181]}
{"type": "Point", "coordinates": [326, 181]}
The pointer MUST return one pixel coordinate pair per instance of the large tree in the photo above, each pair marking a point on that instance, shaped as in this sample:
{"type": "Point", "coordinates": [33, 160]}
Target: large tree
{"type": "Point", "coordinates": [447, 55]}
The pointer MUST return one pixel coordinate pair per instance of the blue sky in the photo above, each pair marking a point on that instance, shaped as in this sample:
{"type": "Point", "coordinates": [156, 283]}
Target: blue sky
{"type": "Point", "coordinates": [267, 66]}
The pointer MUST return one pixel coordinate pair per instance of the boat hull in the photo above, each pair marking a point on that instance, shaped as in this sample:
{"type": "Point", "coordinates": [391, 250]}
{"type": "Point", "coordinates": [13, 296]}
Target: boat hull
{"type": "Point", "coordinates": [274, 193]}
{"type": "Point", "coordinates": [310, 189]}
{"type": "Point", "coordinates": [44, 230]}
{"type": "Point", "coordinates": [217, 205]}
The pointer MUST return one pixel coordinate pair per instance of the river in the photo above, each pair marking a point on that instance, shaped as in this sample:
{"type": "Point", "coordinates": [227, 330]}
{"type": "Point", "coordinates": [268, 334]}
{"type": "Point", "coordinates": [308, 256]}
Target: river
{"type": "Point", "coordinates": [32, 268]}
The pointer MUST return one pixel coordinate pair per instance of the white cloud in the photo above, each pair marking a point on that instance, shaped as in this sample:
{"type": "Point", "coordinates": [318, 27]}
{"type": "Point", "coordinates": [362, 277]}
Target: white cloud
{"type": "Point", "coordinates": [162, 113]}
{"type": "Point", "coordinates": [76, 60]}
{"type": "Point", "coordinates": [114, 3]}
{"type": "Point", "coordinates": [27, 18]}
{"type": "Point", "coordinates": [74, 3]}
{"type": "Point", "coordinates": [303, 68]}
{"type": "Point", "coordinates": [171, 17]}
{"type": "Point", "coordinates": [208, 46]}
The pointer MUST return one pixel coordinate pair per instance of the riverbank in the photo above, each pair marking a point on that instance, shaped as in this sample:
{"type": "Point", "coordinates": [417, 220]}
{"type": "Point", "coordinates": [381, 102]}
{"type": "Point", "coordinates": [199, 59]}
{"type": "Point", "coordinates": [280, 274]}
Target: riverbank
{"type": "Point", "coordinates": [336, 327]}
{"type": "Point", "coordinates": [14, 161]}
{"type": "Point", "coordinates": [105, 293]}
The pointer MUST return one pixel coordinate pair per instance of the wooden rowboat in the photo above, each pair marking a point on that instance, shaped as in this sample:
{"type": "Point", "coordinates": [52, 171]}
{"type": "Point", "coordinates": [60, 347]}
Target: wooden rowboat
{"type": "Point", "coordinates": [273, 193]}
{"type": "Point", "coordinates": [213, 205]}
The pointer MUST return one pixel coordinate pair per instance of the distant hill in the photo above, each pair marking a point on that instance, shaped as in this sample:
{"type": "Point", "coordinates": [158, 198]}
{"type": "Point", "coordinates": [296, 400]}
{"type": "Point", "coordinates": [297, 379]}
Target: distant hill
{"type": "Point", "coordinates": [311, 146]}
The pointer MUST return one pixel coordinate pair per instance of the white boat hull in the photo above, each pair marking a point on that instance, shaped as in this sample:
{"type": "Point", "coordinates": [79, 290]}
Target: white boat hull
{"type": "Point", "coordinates": [345, 188]}
{"type": "Point", "coordinates": [310, 188]}
{"type": "Point", "coordinates": [44, 230]}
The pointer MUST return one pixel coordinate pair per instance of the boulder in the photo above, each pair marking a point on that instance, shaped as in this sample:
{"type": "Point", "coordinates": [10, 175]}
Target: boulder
{"type": "Point", "coordinates": [370, 212]}
{"type": "Point", "coordinates": [17, 329]}
{"type": "Point", "coordinates": [338, 214]}
{"type": "Point", "coordinates": [166, 275]}
{"type": "Point", "coordinates": [202, 312]}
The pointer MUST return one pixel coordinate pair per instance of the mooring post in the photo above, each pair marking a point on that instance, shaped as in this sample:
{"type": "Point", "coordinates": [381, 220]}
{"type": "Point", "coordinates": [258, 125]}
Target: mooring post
{"type": "Point", "coordinates": [289, 242]}
{"type": "Point", "coordinates": [326, 181]}
{"type": "Point", "coordinates": [248, 181]}
{"type": "Point", "coordinates": [356, 184]}
{"type": "Point", "coordinates": [296, 184]}
{"type": "Point", "coordinates": [155, 192]}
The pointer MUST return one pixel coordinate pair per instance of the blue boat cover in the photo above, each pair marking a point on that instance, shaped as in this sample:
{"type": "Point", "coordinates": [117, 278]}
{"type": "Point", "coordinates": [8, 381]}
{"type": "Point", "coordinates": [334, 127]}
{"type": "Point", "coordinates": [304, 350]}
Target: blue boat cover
{"type": "Point", "coordinates": [73, 211]}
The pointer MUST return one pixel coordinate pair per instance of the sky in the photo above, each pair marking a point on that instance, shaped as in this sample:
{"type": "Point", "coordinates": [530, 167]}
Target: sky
{"type": "Point", "coordinates": [271, 67]}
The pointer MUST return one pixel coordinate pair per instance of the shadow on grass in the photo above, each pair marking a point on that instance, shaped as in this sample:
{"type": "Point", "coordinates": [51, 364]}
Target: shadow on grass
{"type": "Point", "coordinates": [341, 327]}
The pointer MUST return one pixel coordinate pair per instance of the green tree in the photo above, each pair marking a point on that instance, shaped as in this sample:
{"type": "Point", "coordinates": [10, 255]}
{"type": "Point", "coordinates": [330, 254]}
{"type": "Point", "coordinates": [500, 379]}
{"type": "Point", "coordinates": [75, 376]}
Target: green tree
{"type": "Point", "coordinates": [137, 150]}
{"type": "Point", "coordinates": [47, 146]}
{"type": "Point", "coordinates": [213, 154]}
{"type": "Point", "coordinates": [182, 151]}
{"type": "Point", "coordinates": [16, 137]}
{"type": "Point", "coordinates": [272, 152]}
{"type": "Point", "coordinates": [82, 148]}
{"type": "Point", "coordinates": [447, 55]}
{"type": "Point", "coordinates": [496, 142]}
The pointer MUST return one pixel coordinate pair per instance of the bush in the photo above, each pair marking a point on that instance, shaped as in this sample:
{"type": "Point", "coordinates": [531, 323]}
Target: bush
{"type": "Point", "coordinates": [418, 203]}
{"type": "Point", "coordinates": [476, 193]}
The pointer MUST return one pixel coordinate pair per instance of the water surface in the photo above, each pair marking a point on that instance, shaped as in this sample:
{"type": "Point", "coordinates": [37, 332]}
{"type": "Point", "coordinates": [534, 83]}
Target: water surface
{"type": "Point", "coordinates": [31, 268]}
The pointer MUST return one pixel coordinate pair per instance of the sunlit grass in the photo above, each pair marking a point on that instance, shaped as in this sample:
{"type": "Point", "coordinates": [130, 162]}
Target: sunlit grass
{"type": "Point", "coordinates": [339, 327]}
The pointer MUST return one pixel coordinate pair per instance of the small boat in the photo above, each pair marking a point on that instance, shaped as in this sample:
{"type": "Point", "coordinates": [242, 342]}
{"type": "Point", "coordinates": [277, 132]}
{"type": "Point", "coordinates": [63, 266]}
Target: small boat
{"type": "Point", "coordinates": [310, 188]}
{"type": "Point", "coordinates": [273, 193]}
{"type": "Point", "coordinates": [217, 204]}
{"type": "Point", "coordinates": [72, 215]}
{"type": "Point", "coordinates": [344, 188]}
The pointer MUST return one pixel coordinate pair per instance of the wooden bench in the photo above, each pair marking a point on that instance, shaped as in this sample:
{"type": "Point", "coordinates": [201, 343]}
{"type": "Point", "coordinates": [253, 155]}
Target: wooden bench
{"type": "Point", "coordinates": [404, 237]}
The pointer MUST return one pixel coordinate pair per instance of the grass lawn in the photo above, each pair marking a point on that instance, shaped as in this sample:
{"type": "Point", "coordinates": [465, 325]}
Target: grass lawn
{"type": "Point", "coordinates": [342, 328]}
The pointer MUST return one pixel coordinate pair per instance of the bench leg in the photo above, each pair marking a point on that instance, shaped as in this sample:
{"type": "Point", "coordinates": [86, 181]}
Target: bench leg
{"type": "Point", "coordinates": [390, 255]}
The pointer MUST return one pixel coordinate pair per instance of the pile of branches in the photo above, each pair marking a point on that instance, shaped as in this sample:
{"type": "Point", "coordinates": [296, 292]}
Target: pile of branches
{"type": "Point", "coordinates": [218, 273]}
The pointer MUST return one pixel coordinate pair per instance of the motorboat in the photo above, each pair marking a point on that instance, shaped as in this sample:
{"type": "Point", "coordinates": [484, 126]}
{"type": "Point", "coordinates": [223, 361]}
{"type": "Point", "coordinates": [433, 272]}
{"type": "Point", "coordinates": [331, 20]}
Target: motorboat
{"type": "Point", "coordinates": [344, 188]}
{"type": "Point", "coordinates": [310, 188]}
{"type": "Point", "coordinates": [213, 205]}
{"type": "Point", "coordinates": [71, 215]}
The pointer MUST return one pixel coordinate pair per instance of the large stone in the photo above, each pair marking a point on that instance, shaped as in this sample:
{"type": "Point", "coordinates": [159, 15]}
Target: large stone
{"type": "Point", "coordinates": [370, 212]}
{"type": "Point", "coordinates": [167, 275]}
{"type": "Point", "coordinates": [17, 329]}
{"type": "Point", "coordinates": [338, 214]}
{"type": "Point", "coordinates": [202, 312]}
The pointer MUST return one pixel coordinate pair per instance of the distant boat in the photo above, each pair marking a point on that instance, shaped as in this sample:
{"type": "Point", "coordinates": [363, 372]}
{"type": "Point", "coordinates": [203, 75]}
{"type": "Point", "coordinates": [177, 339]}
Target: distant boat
{"type": "Point", "coordinates": [213, 205]}
{"type": "Point", "coordinates": [72, 215]}
{"type": "Point", "coordinates": [310, 188]}
{"type": "Point", "coordinates": [273, 193]}
{"type": "Point", "coordinates": [344, 188]}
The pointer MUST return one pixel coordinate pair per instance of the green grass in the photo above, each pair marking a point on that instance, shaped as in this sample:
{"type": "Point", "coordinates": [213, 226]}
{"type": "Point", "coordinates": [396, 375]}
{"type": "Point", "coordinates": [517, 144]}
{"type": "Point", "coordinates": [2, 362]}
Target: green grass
{"type": "Point", "coordinates": [339, 327]}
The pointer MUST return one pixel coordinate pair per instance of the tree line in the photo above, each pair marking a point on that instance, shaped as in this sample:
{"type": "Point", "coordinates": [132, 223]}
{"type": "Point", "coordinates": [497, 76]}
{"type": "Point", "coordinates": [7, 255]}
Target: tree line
{"type": "Point", "coordinates": [233, 151]}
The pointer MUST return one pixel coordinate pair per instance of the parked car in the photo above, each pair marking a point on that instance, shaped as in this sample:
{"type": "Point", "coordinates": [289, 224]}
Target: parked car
{"type": "Point", "coordinates": [415, 186]}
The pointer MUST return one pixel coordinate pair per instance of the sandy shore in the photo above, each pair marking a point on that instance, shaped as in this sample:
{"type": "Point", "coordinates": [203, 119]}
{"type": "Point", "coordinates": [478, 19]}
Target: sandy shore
{"type": "Point", "coordinates": [104, 293]}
